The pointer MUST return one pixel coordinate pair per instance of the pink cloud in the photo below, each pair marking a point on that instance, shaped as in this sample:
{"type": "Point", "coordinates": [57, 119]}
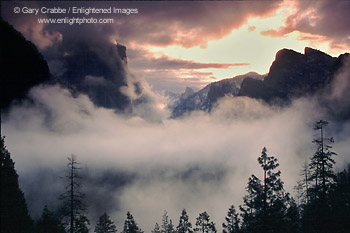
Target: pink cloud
{"type": "Point", "coordinates": [143, 59]}
{"type": "Point", "coordinates": [323, 19]}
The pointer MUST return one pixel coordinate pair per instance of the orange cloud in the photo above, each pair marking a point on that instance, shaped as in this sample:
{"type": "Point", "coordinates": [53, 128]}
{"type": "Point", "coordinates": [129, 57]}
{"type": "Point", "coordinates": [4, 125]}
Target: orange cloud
{"type": "Point", "coordinates": [318, 21]}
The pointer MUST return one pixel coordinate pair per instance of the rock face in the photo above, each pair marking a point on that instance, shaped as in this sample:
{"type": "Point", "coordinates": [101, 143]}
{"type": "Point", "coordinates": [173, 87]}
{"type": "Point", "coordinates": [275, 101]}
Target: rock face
{"type": "Point", "coordinates": [209, 95]}
{"type": "Point", "coordinates": [86, 71]}
{"type": "Point", "coordinates": [292, 74]}
{"type": "Point", "coordinates": [100, 76]}
{"type": "Point", "coordinates": [99, 71]}
{"type": "Point", "coordinates": [122, 53]}
{"type": "Point", "coordinates": [188, 92]}
{"type": "Point", "coordinates": [22, 66]}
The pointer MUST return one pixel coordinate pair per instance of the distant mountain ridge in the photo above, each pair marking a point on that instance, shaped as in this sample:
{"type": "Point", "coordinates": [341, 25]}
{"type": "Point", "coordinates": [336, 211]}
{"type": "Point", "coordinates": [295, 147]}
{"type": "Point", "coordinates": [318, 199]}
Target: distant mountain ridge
{"type": "Point", "coordinates": [105, 78]}
{"type": "Point", "coordinates": [291, 75]}
{"type": "Point", "coordinates": [205, 98]}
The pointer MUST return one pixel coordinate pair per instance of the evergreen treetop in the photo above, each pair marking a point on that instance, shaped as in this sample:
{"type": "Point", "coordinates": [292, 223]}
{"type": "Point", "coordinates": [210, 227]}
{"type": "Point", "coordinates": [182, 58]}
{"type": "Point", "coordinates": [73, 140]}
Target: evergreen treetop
{"type": "Point", "coordinates": [130, 225]}
{"type": "Point", "coordinates": [204, 224]}
{"type": "Point", "coordinates": [185, 226]}
{"type": "Point", "coordinates": [167, 224]}
{"type": "Point", "coordinates": [49, 222]}
{"type": "Point", "coordinates": [231, 224]}
{"type": "Point", "coordinates": [105, 225]}
{"type": "Point", "coordinates": [14, 213]}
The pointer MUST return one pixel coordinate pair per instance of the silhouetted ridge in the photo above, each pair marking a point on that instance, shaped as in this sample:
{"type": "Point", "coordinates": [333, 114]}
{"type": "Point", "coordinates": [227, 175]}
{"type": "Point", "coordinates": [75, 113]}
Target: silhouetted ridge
{"type": "Point", "coordinates": [292, 74]}
{"type": "Point", "coordinates": [21, 63]}
{"type": "Point", "coordinates": [252, 87]}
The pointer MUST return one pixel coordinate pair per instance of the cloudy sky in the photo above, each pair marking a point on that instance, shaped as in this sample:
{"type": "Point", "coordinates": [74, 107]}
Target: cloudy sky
{"type": "Point", "coordinates": [177, 44]}
{"type": "Point", "coordinates": [201, 162]}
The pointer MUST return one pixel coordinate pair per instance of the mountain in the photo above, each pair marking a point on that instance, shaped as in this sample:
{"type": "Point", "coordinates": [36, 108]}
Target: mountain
{"type": "Point", "coordinates": [175, 98]}
{"type": "Point", "coordinates": [100, 75]}
{"type": "Point", "coordinates": [291, 75]}
{"type": "Point", "coordinates": [22, 66]}
{"type": "Point", "coordinates": [208, 96]}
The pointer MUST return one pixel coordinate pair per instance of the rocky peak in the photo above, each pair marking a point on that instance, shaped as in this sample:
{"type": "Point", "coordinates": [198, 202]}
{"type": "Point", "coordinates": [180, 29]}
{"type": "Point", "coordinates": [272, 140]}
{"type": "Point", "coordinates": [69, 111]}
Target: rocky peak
{"type": "Point", "coordinates": [206, 98]}
{"type": "Point", "coordinates": [293, 74]}
{"type": "Point", "coordinates": [287, 55]}
{"type": "Point", "coordinates": [314, 55]}
{"type": "Point", "coordinates": [122, 52]}
{"type": "Point", "coordinates": [188, 92]}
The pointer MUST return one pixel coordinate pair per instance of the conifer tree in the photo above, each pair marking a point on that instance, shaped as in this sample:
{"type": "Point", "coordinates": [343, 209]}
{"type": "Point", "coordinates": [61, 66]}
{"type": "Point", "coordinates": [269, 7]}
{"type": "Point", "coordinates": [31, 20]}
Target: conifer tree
{"type": "Point", "coordinates": [292, 216]}
{"type": "Point", "coordinates": [265, 206]}
{"type": "Point", "coordinates": [273, 185]}
{"type": "Point", "coordinates": [167, 224]}
{"type": "Point", "coordinates": [302, 187]}
{"type": "Point", "coordinates": [49, 222]}
{"type": "Point", "coordinates": [81, 224]}
{"type": "Point", "coordinates": [130, 225]}
{"type": "Point", "coordinates": [105, 225]}
{"type": "Point", "coordinates": [321, 164]}
{"type": "Point", "coordinates": [252, 204]}
{"type": "Point", "coordinates": [231, 224]}
{"type": "Point", "coordinates": [185, 226]}
{"type": "Point", "coordinates": [317, 214]}
{"type": "Point", "coordinates": [204, 225]}
{"type": "Point", "coordinates": [73, 199]}
{"type": "Point", "coordinates": [339, 198]}
{"type": "Point", "coordinates": [14, 213]}
{"type": "Point", "coordinates": [156, 228]}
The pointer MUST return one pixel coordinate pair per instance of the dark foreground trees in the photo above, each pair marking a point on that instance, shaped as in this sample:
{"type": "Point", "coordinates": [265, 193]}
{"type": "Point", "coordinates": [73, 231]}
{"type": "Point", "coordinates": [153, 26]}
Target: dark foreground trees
{"type": "Point", "coordinates": [130, 225]}
{"type": "Point", "coordinates": [321, 164]}
{"type": "Point", "coordinates": [14, 213]}
{"type": "Point", "coordinates": [184, 226]}
{"type": "Point", "coordinates": [317, 213]}
{"type": "Point", "coordinates": [266, 206]}
{"type": "Point", "coordinates": [167, 224]}
{"type": "Point", "coordinates": [339, 200]}
{"type": "Point", "coordinates": [73, 210]}
{"type": "Point", "coordinates": [49, 222]}
{"type": "Point", "coordinates": [105, 225]}
{"type": "Point", "coordinates": [204, 225]}
{"type": "Point", "coordinates": [231, 224]}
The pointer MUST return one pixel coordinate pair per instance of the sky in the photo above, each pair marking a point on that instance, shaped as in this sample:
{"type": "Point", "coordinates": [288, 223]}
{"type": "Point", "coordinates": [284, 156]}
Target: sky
{"type": "Point", "coordinates": [147, 163]}
{"type": "Point", "coordinates": [177, 44]}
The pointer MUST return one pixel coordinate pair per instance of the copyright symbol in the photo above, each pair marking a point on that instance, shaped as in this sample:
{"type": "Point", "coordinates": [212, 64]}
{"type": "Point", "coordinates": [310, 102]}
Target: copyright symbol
{"type": "Point", "coordinates": [16, 10]}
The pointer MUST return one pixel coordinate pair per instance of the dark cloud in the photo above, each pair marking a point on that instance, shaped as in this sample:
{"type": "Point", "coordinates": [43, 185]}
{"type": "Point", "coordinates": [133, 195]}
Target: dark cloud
{"type": "Point", "coordinates": [187, 24]}
{"type": "Point", "coordinates": [41, 35]}
{"type": "Point", "coordinates": [157, 23]}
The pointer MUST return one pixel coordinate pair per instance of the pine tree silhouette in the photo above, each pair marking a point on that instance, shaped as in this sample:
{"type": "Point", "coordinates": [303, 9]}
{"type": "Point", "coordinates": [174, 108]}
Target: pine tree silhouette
{"type": "Point", "coordinates": [14, 213]}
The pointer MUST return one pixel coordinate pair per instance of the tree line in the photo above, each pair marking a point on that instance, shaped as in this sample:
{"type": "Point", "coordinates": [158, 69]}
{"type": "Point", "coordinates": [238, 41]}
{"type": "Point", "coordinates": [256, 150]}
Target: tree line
{"type": "Point", "coordinates": [322, 203]}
